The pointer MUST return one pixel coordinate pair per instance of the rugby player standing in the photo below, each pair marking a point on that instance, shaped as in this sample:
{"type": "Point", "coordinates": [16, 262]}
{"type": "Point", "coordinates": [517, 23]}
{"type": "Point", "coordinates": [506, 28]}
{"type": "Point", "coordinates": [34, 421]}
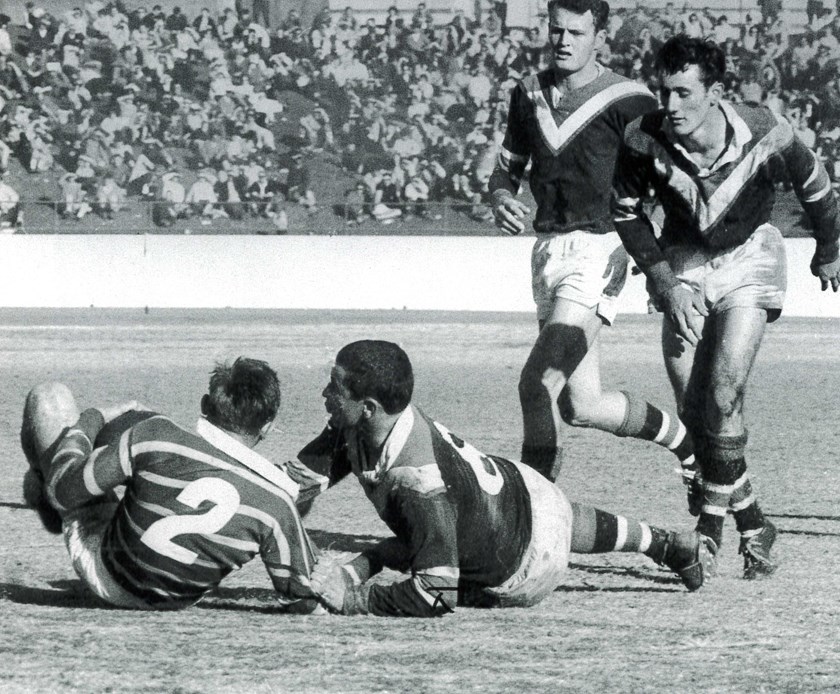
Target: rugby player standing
{"type": "Point", "coordinates": [197, 505]}
{"type": "Point", "coordinates": [473, 529]}
{"type": "Point", "coordinates": [568, 122]}
{"type": "Point", "coordinates": [718, 270]}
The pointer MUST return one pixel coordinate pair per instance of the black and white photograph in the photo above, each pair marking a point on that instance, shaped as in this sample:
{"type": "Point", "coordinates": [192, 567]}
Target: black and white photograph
{"type": "Point", "coordinates": [373, 346]}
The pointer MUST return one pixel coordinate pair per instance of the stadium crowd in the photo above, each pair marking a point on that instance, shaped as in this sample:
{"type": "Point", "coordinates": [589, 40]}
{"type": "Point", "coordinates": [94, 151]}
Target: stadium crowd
{"type": "Point", "coordinates": [192, 113]}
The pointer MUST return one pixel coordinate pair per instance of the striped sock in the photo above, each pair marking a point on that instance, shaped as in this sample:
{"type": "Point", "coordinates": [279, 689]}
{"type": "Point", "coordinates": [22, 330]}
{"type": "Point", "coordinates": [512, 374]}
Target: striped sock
{"type": "Point", "coordinates": [749, 518]}
{"type": "Point", "coordinates": [723, 464]}
{"type": "Point", "coordinates": [595, 531]}
{"type": "Point", "coordinates": [644, 421]}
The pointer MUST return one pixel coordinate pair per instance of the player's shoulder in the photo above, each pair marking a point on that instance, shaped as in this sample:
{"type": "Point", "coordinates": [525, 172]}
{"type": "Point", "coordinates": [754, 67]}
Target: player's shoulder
{"type": "Point", "coordinates": [624, 91]}
{"type": "Point", "coordinates": [423, 480]}
{"type": "Point", "coordinates": [158, 426]}
{"type": "Point", "coordinates": [641, 133]}
{"type": "Point", "coordinates": [535, 81]}
{"type": "Point", "coordinates": [760, 121]}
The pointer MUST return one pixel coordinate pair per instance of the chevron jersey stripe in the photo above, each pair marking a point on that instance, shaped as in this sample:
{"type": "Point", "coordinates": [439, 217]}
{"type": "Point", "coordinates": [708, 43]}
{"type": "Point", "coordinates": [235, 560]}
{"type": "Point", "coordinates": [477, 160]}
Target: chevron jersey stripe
{"type": "Point", "coordinates": [557, 136]}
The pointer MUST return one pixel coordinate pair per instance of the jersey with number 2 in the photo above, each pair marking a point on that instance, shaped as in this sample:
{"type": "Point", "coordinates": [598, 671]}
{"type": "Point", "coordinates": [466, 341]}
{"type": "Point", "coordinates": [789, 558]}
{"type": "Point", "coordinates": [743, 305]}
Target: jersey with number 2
{"type": "Point", "coordinates": [190, 515]}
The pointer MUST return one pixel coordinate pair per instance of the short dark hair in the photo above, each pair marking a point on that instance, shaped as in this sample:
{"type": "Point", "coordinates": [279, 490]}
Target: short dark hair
{"type": "Point", "coordinates": [681, 51]}
{"type": "Point", "coordinates": [242, 397]}
{"type": "Point", "coordinates": [599, 8]}
{"type": "Point", "coordinates": [379, 370]}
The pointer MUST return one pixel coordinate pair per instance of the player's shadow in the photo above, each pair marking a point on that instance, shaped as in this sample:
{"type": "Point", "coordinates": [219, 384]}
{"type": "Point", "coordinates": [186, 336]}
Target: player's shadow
{"type": "Point", "coordinates": [241, 599]}
{"type": "Point", "coordinates": [343, 542]}
{"type": "Point", "coordinates": [806, 517]}
{"type": "Point", "coordinates": [13, 504]}
{"type": "Point", "coordinates": [62, 593]}
{"type": "Point", "coordinates": [624, 572]}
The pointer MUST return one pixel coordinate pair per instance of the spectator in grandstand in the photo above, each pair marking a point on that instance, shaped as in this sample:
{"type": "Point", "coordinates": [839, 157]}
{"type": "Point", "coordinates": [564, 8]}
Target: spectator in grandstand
{"type": "Point", "coordinates": [260, 193]}
{"type": "Point", "coordinates": [416, 193]}
{"type": "Point", "coordinates": [356, 203]}
{"type": "Point", "coordinates": [299, 186]}
{"type": "Point", "coordinates": [228, 193]}
{"type": "Point", "coordinates": [201, 197]}
{"type": "Point", "coordinates": [471, 529]}
{"type": "Point", "coordinates": [110, 198]}
{"type": "Point", "coordinates": [387, 199]}
{"type": "Point", "coordinates": [260, 12]}
{"type": "Point", "coordinates": [79, 461]}
{"type": "Point", "coordinates": [11, 215]}
{"type": "Point", "coordinates": [276, 212]}
{"type": "Point", "coordinates": [5, 37]}
{"type": "Point", "coordinates": [170, 199]}
{"type": "Point", "coordinates": [72, 203]}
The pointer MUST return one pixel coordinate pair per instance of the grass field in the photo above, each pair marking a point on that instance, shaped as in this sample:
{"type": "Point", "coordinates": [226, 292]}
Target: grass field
{"type": "Point", "coordinates": [617, 624]}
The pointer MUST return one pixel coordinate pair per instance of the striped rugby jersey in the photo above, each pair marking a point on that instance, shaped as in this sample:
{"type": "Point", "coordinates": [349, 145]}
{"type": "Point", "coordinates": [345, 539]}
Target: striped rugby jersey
{"type": "Point", "coordinates": [719, 207]}
{"type": "Point", "coordinates": [571, 141]}
{"type": "Point", "coordinates": [463, 517]}
{"type": "Point", "coordinates": [196, 507]}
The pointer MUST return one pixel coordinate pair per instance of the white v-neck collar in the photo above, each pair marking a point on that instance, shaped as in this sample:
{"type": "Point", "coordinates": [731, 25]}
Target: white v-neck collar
{"type": "Point", "coordinates": [217, 438]}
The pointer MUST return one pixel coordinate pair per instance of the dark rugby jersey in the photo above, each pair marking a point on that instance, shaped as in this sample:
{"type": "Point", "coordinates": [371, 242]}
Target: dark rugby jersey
{"type": "Point", "coordinates": [572, 141]}
{"type": "Point", "coordinates": [464, 517]}
{"type": "Point", "coordinates": [719, 207]}
{"type": "Point", "coordinates": [194, 509]}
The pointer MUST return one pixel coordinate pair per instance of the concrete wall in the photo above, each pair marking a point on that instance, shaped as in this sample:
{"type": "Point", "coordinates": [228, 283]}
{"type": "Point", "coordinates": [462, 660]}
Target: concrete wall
{"type": "Point", "coordinates": [317, 272]}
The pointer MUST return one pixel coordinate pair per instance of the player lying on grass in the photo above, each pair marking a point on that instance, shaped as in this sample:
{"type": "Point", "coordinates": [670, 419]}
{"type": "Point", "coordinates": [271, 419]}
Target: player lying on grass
{"type": "Point", "coordinates": [196, 505]}
{"type": "Point", "coordinates": [472, 529]}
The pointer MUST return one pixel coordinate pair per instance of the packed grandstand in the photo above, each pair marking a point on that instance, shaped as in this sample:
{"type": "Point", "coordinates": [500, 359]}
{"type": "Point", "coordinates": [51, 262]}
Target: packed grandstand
{"type": "Point", "coordinates": [117, 117]}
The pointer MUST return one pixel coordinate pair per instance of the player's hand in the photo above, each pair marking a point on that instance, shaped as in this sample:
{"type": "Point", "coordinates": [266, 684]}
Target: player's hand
{"type": "Point", "coordinates": [828, 274]}
{"type": "Point", "coordinates": [683, 308]}
{"type": "Point", "coordinates": [616, 271]}
{"type": "Point", "coordinates": [509, 214]}
{"type": "Point", "coordinates": [111, 412]}
{"type": "Point", "coordinates": [330, 582]}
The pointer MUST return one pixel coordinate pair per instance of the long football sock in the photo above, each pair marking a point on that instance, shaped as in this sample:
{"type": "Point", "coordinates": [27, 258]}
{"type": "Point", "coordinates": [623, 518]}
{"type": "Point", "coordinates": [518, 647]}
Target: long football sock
{"type": "Point", "coordinates": [749, 518]}
{"type": "Point", "coordinates": [722, 460]}
{"type": "Point", "coordinates": [595, 531]}
{"type": "Point", "coordinates": [647, 422]}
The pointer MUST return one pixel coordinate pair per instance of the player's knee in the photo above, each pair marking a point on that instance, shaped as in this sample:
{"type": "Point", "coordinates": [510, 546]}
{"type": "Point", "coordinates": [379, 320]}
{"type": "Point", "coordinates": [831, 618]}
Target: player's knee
{"type": "Point", "coordinates": [577, 410]}
{"type": "Point", "coordinates": [725, 399]}
{"type": "Point", "coordinates": [49, 399]}
{"type": "Point", "coordinates": [50, 407]}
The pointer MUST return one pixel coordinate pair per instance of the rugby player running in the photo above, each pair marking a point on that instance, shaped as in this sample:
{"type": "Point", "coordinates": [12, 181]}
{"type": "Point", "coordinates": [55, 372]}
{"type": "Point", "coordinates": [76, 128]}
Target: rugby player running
{"type": "Point", "coordinates": [568, 122]}
{"type": "Point", "coordinates": [196, 505]}
{"type": "Point", "coordinates": [472, 529]}
{"type": "Point", "coordinates": [718, 270]}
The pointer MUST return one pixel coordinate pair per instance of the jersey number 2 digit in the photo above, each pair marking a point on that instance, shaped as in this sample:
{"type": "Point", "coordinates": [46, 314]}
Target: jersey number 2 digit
{"type": "Point", "coordinates": [159, 534]}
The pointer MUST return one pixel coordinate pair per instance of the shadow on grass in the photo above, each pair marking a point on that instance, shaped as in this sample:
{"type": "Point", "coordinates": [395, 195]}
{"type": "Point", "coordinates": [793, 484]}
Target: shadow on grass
{"type": "Point", "coordinates": [14, 504]}
{"type": "Point", "coordinates": [64, 593]}
{"type": "Point", "coordinates": [802, 516]}
{"type": "Point", "coordinates": [623, 572]}
{"type": "Point", "coordinates": [343, 542]}
{"type": "Point", "coordinates": [258, 600]}
{"type": "Point", "coordinates": [813, 533]}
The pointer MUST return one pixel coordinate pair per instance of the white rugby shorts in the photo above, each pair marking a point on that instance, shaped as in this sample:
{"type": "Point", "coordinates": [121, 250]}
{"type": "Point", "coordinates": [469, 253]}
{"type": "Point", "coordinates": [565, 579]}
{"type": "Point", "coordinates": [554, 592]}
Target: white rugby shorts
{"type": "Point", "coordinates": [547, 557]}
{"type": "Point", "coordinates": [575, 266]}
{"type": "Point", "coordinates": [83, 531]}
{"type": "Point", "coordinates": [752, 275]}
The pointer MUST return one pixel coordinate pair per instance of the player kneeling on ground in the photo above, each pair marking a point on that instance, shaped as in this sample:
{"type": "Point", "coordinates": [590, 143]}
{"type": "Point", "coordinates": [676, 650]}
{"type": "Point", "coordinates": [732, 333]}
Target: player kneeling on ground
{"type": "Point", "coordinates": [197, 505]}
{"type": "Point", "coordinates": [473, 529]}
